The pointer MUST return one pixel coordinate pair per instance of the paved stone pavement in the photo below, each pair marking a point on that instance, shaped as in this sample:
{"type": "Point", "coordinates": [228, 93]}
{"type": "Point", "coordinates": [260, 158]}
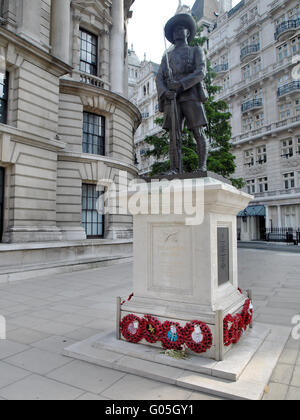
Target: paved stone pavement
{"type": "Point", "coordinates": [46, 314]}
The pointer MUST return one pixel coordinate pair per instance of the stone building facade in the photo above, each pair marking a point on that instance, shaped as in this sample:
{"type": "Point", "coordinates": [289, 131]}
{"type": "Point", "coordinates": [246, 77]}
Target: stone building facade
{"type": "Point", "coordinates": [143, 93]}
{"type": "Point", "coordinates": [66, 122]}
{"type": "Point", "coordinates": [254, 49]}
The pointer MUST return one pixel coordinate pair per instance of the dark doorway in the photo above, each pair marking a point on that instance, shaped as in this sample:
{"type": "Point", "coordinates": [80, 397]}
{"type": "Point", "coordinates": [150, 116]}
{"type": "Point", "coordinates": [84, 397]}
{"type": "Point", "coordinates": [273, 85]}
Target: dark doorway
{"type": "Point", "coordinates": [262, 228]}
{"type": "Point", "coordinates": [2, 180]}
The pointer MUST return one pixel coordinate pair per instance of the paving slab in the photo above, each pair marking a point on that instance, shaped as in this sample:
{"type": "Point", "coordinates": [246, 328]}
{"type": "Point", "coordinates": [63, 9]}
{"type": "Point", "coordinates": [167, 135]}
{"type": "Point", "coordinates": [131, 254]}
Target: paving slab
{"type": "Point", "coordinates": [38, 361]}
{"type": "Point", "coordinates": [37, 387]}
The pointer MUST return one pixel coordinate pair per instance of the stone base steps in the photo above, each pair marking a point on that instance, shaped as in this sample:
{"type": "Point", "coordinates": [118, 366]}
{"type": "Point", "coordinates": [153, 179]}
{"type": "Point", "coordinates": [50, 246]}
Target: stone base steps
{"type": "Point", "coordinates": [251, 363]}
{"type": "Point", "coordinates": [24, 261]}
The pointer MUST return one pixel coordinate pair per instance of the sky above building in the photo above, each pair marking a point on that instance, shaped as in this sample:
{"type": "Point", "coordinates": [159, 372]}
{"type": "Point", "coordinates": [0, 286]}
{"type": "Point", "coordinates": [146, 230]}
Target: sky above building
{"type": "Point", "coordinates": [145, 29]}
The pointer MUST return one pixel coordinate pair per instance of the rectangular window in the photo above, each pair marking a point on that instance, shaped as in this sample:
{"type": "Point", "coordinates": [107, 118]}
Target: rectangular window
{"type": "Point", "coordinates": [289, 180]}
{"type": "Point", "coordinates": [246, 72]}
{"type": "Point", "coordinates": [261, 154]}
{"type": "Point", "coordinates": [251, 186]}
{"type": "Point", "coordinates": [93, 134]}
{"type": "Point", "coordinates": [259, 120]}
{"type": "Point", "coordinates": [285, 111]}
{"type": "Point", "coordinates": [247, 124]}
{"type": "Point", "coordinates": [249, 158]}
{"type": "Point", "coordinates": [88, 53]}
{"type": "Point", "coordinates": [290, 216]}
{"type": "Point", "coordinates": [263, 185]}
{"type": "Point", "coordinates": [4, 84]}
{"type": "Point", "coordinates": [287, 148]}
{"type": "Point", "coordinates": [92, 220]}
{"type": "Point", "coordinates": [297, 107]}
{"type": "Point", "coordinates": [2, 178]}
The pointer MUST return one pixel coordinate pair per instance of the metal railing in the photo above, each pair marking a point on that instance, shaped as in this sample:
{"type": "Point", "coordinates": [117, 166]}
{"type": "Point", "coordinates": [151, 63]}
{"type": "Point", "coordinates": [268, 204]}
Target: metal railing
{"type": "Point", "coordinates": [286, 26]}
{"type": "Point", "coordinates": [221, 68]}
{"type": "Point", "coordinates": [288, 235]}
{"type": "Point", "coordinates": [254, 103]}
{"type": "Point", "coordinates": [250, 49]}
{"type": "Point", "coordinates": [288, 88]}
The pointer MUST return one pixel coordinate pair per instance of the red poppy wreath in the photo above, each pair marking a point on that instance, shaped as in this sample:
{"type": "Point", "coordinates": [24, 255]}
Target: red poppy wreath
{"type": "Point", "coordinates": [132, 328]}
{"type": "Point", "coordinates": [198, 337]}
{"type": "Point", "coordinates": [152, 329]}
{"type": "Point", "coordinates": [172, 336]}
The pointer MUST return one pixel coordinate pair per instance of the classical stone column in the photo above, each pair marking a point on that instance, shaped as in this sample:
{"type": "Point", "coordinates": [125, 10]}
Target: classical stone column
{"type": "Point", "coordinates": [279, 224]}
{"type": "Point", "coordinates": [117, 47]}
{"type": "Point", "coordinates": [60, 29]}
{"type": "Point", "coordinates": [29, 20]}
{"type": "Point", "coordinates": [268, 224]}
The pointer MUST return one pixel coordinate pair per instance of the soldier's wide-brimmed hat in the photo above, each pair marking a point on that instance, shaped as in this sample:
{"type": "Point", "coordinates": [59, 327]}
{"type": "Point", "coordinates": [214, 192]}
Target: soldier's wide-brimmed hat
{"type": "Point", "coordinates": [183, 19]}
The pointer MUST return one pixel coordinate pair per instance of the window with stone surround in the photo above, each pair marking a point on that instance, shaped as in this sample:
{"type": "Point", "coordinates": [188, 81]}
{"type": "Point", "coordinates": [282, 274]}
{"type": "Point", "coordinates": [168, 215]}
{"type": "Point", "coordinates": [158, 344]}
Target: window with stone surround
{"type": "Point", "coordinates": [259, 120]}
{"type": "Point", "coordinates": [93, 134]}
{"type": "Point", "coordinates": [251, 186]}
{"type": "Point", "coordinates": [2, 178]}
{"type": "Point", "coordinates": [289, 213]}
{"type": "Point", "coordinates": [257, 66]}
{"type": "Point", "coordinates": [285, 111]}
{"type": "Point", "coordinates": [283, 51]}
{"type": "Point", "coordinates": [246, 71]}
{"type": "Point", "coordinates": [247, 124]}
{"type": "Point", "coordinates": [263, 185]}
{"type": "Point", "coordinates": [297, 107]}
{"type": "Point", "coordinates": [92, 220]}
{"type": "Point", "coordinates": [289, 180]}
{"type": "Point", "coordinates": [261, 154]}
{"type": "Point", "coordinates": [287, 148]}
{"type": "Point", "coordinates": [88, 53]}
{"type": "Point", "coordinates": [249, 158]}
{"type": "Point", "coordinates": [295, 43]}
{"type": "Point", "coordinates": [4, 84]}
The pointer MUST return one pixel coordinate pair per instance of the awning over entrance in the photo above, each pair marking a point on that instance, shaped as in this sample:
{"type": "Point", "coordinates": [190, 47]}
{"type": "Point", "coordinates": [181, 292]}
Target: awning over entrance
{"type": "Point", "coordinates": [252, 211]}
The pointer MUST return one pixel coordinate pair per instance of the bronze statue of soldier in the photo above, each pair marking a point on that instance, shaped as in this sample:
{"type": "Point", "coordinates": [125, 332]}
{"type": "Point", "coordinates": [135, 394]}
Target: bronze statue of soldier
{"type": "Point", "coordinates": [181, 92]}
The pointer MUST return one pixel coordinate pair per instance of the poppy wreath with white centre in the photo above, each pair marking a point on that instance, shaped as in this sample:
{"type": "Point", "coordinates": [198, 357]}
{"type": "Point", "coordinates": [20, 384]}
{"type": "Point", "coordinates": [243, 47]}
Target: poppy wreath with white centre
{"type": "Point", "coordinates": [229, 330]}
{"type": "Point", "coordinates": [247, 313]}
{"type": "Point", "coordinates": [152, 329]}
{"type": "Point", "coordinates": [172, 336]}
{"type": "Point", "coordinates": [132, 328]}
{"type": "Point", "coordinates": [192, 337]}
{"type": "Point", "coordinates": [239, 327]}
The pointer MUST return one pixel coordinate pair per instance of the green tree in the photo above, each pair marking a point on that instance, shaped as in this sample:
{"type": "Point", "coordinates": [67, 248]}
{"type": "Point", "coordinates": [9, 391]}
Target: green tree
{"type": "Point", "coordinates": [220, 159]}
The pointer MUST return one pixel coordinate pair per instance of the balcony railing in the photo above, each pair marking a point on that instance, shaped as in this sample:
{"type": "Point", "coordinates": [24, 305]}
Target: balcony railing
{"type": "Point", "coordinates": [250, 50]}
{"type": "Point", "coordinates": [286, 26]}
{"type": "Point", "coordinates": [221, 68]}
{"type": "Point", "coordinates": [288, 88]}
{"type": "Point", "coordinates": [266, 129]}
{"type": "Point", "coordinates": [92, 80]}
{"type": "Point", "coordinates": [253, 104]}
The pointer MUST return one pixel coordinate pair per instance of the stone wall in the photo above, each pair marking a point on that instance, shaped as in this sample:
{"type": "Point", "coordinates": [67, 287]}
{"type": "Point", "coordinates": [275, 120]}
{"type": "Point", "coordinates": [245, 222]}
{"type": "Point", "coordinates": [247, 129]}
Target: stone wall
{"type": "Point", "coordinates": [41, 141]}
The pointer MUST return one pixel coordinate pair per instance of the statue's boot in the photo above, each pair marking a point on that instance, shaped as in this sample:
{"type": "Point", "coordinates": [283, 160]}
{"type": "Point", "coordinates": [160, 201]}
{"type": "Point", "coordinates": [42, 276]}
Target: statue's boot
{"type": "Point", "coordinates": [202, 150]}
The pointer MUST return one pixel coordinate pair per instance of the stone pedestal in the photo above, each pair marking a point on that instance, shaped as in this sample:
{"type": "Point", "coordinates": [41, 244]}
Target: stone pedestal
{"type": "Point", "coordinates": [185, 268]}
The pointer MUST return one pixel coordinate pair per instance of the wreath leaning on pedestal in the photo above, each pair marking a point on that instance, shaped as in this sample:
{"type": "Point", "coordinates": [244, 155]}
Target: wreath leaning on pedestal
{"type": "Point", "coordinates": [152, 329]}
{"type": "Point", "coordinates": [172, 336]}
{"type": "Point", "coordinates": [132, 328]}
{"type": "Point", "coordinates": [198, 337]}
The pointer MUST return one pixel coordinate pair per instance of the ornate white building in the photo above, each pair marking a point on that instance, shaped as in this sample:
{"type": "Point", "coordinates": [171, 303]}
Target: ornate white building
{"type": "Point", "coordinates": [143, 93]}
{"type": "Point", "coordinates": [66, 122]}
{"type": "Point", "coordinates": [253, 49]}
